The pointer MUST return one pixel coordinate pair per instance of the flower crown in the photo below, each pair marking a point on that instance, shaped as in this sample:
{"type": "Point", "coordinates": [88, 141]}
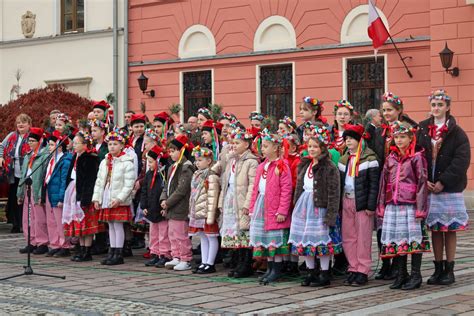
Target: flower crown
{"type": "Point", "coordinates": [114, 135]}
{"type": "Point", "coordinates": [313, 101]}
{"type": "Point", "coordinates": [149, 132]}
{"type": "Point", "coordinates": [239, 133]}
{"type": "Point", "coordinates": [235, 123]}
{"type": "Point", "coordinates": [440, 95]}
{"type": "Point", "coordinates": [288, 122]}
{"type": "Point", "coordinates": [125, 134]}
{"type": "Point", "coordinates": [97, 123]}
{"type": "Point", "coordinates": [343, 104]}
{"type": "Point", "coordinates": [202, 152]}
{"type": "Point", "coordinates": [204, 111]}
{"type": "Point", "coordinates": [390, 97]}
{"type": "Point", "coordinates": [266, 135]}
{"type": "Point", "coordinates": [227, 116]}
{"type": "Point", "coordinates": [291, 137]}
{"type": "Point", "coordinates": [320, 132]}
{"type": "Point", "coordinates": [402, 128]}
{"type": "Point", "coordinates": [87, 138]}
{"type": "Point", "coordinates": [62, 117]}
{"type": "Point", "coordinates": [256, 116]}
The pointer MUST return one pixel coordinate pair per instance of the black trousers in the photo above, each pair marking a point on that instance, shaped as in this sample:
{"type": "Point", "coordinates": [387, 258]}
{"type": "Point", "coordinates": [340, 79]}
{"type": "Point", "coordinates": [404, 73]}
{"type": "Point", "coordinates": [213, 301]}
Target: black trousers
{"type": "Point", "coordinates": [14, 211]}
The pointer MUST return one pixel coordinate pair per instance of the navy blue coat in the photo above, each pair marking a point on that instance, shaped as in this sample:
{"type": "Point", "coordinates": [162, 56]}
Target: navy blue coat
{"type": "Point", "coordinates": [56, 186]}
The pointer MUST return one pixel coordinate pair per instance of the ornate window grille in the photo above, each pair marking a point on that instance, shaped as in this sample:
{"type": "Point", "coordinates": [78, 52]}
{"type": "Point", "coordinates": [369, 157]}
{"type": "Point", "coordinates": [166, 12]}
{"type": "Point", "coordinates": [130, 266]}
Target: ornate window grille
{"type": "Point", "coordinates": [197, 90]}
{"type": "Point", "coordinates": [276, 90]}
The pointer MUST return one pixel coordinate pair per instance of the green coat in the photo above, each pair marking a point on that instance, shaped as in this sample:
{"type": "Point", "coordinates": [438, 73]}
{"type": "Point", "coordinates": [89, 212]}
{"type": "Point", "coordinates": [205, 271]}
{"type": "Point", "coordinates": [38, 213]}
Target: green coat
{"type": "Point", "coordinates": [37, 177]}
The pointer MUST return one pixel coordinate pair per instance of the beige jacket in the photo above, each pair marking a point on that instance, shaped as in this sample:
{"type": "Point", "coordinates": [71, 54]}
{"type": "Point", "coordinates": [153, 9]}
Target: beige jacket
{"type": "Point", "coordinates": [245, 167]}
{"type": "Point", "coordinates": [208, 197]}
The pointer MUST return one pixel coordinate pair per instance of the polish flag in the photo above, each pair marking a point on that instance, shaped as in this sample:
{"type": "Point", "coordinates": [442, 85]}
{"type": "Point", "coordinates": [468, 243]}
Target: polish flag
{"type": "Point", "coordinates": [376, 30]}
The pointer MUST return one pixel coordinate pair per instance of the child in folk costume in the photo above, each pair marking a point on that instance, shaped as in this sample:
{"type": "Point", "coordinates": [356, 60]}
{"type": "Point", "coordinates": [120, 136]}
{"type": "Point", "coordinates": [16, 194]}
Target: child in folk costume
{"type": "Point", "coordinates": [113, 194]}
{"type": "Point", "coordinates": [343, 113]}
{"type": "Point", "coordinates": [256, 119]}
{"type": "Point", "coordinates": [270, 208]}
{"type": "Point", "coordinates": [237, 183]}
{"type": "Point", "coordinates": [34, 161]}
{"type": "Point", "coordinates": [175, 203]}
{"type": "Point", "coordinates": [152, 188]}
{"type": "Point", "coordinates": [98, 132]}
{"type": "Point", "coordinates": [403, 206]}
{"type": "Point", "coordinates": [314, 233]}
{"type": "Point", "coordinates": [203, 208]}
{"type": "Point", "coordinates": [62, 123]}
{"type": "Point", "coordinates": [210, 134]}
{"type": "Point", "coordinates": [163, 125]}
{"type": "Point", "coordinates": [53, 193]}
{"type": "Point", "coordinates": [448, 153]}
{"type": "Point", "coordinates": [309, 127]}
{"type": "Point", "coordinates": [79, 214]}
{"type": "Point", "coordinates": [311, 111]}
{"type": "Point", "coordinates": [359, 170]}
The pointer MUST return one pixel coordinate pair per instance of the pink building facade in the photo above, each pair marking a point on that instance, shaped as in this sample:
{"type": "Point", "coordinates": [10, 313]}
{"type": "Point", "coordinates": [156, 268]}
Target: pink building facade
{"type": "Point", "coordinates": [266, 55]}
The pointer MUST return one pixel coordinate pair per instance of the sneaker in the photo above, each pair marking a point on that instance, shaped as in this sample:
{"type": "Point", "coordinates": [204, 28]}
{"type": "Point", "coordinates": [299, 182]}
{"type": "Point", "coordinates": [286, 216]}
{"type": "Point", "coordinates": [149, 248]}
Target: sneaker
{"type": "Point", "coordinates": [171, 264]}
{"type": "Point", "coordinates": [153, 261]}
{"type": "Point", "coordinates": [161, 263]}
{"type": "Point", "coordinates": [182, 266]}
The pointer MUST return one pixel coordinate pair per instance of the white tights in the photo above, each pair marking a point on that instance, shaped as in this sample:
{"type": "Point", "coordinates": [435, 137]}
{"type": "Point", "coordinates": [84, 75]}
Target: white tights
{"type": "Point", "coordinates": [116, 234]}
{"type": "Point", "coordinates": [324, 260]}
{"type": "Point", "coordinates": [209, 248]}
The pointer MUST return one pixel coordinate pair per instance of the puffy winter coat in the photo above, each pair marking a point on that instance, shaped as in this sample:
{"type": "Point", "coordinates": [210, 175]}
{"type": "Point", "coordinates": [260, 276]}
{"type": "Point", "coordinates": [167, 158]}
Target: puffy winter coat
{"type": "Point", "coordinates": [245, 168]}
{"type": "Point", "coordinates": [122, 180]}
{"type": "Point", "coordinates": [177, 198]}
{"type": "Point", "coordinates": [208, 196]}
{"type": "Point", "coordinates": [278, 193]}
{"type": "Point", "coordinates": [404, 181]}
{"type": "Point", "coordinates": [453, 158]}
{"type": "Point", "coordinates": [40, 165]}
{"type": "Point", "coordinates": [87, 166]}
{"type": "Point", "coordinates": [326, 186]}
{"type": "Point", "coordinates": [56, 186]}
{"type": "Point", "coordinates": [366, 184]}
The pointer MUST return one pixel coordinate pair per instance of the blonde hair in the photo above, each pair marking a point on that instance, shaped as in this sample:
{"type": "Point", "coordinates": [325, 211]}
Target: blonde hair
{"type": "Point", "coordinates": [23, 118]}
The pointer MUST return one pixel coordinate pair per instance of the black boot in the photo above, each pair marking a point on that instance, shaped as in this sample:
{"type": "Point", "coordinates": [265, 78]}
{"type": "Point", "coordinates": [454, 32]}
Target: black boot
{"type": "Point", "coordinates": [384, 270]}
{"type": "Point", "coordinates": [415, 279]}
{"type": "Point", "coordinates": [127, 249]}
{"type": "Point", "coordinates": [117, 258]}
{"type": "Point", "coordinates": [322, 280]}
{"type": "Point", "coordinates": [79, 254]}
{"type": "Point", "coordinates": [340, 265]}
{"type": "Point", "coordinates": [392, 274]}
{"type": "Point", "coordinates": [109, 256]}
{"type": "Point", "coordinates": [87, 255]}
{"type": "Point", "coordinates": [237, 261]}
{"type": "Point", "coordinates": [99, 246]}
{"type": "Point", "coordinates": [245, 269]}
{"type": "Point", "coordinates": [402, 273]}
{"type": "Point", "coordinates": [274, 275]}
{"type": "Point", "coordinates": [28, 248]}
{"type": "Point", "coordinates": [447, 277]}
{"type": "Point", "coordinates": [434, 278]}
{"type": "Point", "coordinates": [293, 270]}
{"type": "Point", "coordinates": [310, 277]}
{"type": "Point", "coordinates": [153, 260]}
{"type": "Point", "coordinates": [267, 273]}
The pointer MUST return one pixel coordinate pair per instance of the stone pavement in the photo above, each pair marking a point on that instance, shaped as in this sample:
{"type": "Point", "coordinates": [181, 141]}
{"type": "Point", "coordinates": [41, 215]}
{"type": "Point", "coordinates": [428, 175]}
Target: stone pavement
{"type": "Point", "coordinates": [132, 288]}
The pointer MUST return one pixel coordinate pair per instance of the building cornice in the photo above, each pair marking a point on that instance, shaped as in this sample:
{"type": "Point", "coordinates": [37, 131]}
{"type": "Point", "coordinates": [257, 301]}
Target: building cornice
{"type": "Point", "coordinates": [58, 38]}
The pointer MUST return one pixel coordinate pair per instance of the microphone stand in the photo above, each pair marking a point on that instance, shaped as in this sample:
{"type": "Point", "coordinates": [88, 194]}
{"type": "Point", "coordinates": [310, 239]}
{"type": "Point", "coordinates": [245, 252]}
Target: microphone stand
{"type": "Point", "coordinates": [28, 270]}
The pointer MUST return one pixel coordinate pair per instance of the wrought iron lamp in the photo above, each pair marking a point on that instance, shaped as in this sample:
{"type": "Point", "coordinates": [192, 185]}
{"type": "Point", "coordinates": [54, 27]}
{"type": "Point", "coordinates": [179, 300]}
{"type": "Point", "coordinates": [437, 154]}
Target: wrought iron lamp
{"type": "Point", "coordinates": [143, 84]}
{"type": "Point", "coordinates": [446, 56]}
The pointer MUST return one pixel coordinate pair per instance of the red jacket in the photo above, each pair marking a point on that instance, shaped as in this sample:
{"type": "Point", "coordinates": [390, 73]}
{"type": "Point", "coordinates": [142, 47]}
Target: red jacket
{"type": "Point", "coordinates": [293, 162]}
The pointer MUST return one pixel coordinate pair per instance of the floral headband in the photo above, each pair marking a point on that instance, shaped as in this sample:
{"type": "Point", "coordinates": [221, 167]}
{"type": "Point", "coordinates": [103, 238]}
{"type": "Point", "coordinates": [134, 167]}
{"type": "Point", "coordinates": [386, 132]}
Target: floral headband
{"type": "Point", "coordinates": [97, 123]}
{"type": "Point", "coordinates": [62, 117]}
{"type": "Point", "coordinates": [313, 101]}
{"type": "Point", "coordinates": [204, 111]}
{"type": "Point", "coordinates": [239, 133]}
{"type": "Point", "coordinates": [87, 138]}
{"type": "Point", "coordinates": [202, 152]}
{"type": "Point", "coordinates": [227, 116]}
{"type": "Point", "coordinates": [343, 104]}
{"type": "Point", "coordinates": [149, 132]}
{"type": "Point", "coordinates": [440, 95]}
{"type": "Point", "coordinates": [288, 122]}
{"type": "Point", "coordinates": [124, 133]}
{"type": "Point", "coordinates": [291, 137]}
{"type": "Point", "coordinates": [256, 116]}
{"type": "Point", "coordinates": [114, 135]}
{"type": "Point", "coordinates": [235, 123]}
{"type": "Point", "coordinates": [390, 97]}
{"type": "Point", "coordinates": [402, 128]}
{"type": "Point", "coordinates": [320, 132]}
{"type": "Point", "coordinates": [266, 135]}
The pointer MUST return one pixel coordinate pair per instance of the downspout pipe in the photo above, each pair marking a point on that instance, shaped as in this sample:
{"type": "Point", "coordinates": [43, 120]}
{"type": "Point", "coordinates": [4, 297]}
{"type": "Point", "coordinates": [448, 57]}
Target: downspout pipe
{"type": "Point", "coordinates": [115, 60]}
{"type": "Point", "coordinates": [125, 59]}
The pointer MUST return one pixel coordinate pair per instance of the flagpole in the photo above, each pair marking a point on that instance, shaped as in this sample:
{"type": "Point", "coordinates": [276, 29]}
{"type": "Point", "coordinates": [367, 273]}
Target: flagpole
{"type": "Point", "coordinates": [396, 48]}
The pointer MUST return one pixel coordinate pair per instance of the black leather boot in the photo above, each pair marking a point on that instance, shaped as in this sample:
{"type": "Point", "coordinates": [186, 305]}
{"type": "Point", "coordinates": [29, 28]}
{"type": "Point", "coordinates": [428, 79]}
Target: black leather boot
{"type": "Point", "coordinates": [447, 277]}
{"type": "Point", "coordinates": [245, 269]}
{"type": "Point", "coordinates": [267, 273]}
{"type": "Point", "coordinates": [310, 277]}
{"type": "Point", "coordinates": [127, 249]}
{"type": "Point", "coordinates": [79, 254]}
{"type": "Point", "coordinates": [434, 278]}
{"type": "Point", "coordinates": [323, 279]}
{"type": "Point", "coordinates": [109, 256]}
{"type": "Point", "coordinates": [117, 258]}
{"type": "Point", "coordinates": [237, 257]}
{"type": "Point", "coordinates": [392, 275]}
{"type": "Point", "coordinates": [415, 279]}
{"type": "Point", "coordinates": [402, 273]}
{"type": "Point", "coordinates": [384, 270]}
{"type": "Point", "coordinates": [274, 275]}
{"type": "Point", "coordinates": [293, 270]}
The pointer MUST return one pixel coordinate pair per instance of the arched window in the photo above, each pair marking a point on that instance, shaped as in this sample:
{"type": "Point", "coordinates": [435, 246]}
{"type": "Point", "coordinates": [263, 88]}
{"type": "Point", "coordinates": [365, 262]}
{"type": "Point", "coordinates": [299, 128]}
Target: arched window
{"type": "Point", "coordinates": [275, 32]}
{"type": "Point", "coordinates": [354, 27]}
{"type": "Point", "coordinates": [197, 41]}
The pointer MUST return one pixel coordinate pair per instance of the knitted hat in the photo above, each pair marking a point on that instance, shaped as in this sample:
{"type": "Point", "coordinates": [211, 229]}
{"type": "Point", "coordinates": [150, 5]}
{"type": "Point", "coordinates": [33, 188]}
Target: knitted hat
{"type": "Point", "coordinates": [36, 133]}
{"type": "Point", "coordinates": [138, 118]}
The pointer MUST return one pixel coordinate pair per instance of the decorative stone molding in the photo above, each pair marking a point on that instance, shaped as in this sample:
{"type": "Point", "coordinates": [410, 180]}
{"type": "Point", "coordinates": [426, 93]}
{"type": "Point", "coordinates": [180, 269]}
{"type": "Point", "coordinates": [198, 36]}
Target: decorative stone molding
{"type": "Point", "coordinates": [74, 85]}
{"type": "Point", "coordinates": [197, 41]}
{"type": "Point", "coordinates": [354, 27]}
{"type": "Point", "coordinates": [275, 32]}
{"type": "Point", "coordinates": [28, 24]}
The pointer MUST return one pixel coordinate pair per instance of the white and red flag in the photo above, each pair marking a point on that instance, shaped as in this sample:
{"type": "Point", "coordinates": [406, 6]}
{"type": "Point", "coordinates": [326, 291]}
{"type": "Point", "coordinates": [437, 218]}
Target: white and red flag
{"type": "Point", "coordinates": [376, 30]}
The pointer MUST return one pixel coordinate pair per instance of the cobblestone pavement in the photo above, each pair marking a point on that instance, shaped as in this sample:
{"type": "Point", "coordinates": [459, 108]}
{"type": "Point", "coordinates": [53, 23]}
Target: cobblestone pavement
{"type": "Point", "coordinates": [132, 288]}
